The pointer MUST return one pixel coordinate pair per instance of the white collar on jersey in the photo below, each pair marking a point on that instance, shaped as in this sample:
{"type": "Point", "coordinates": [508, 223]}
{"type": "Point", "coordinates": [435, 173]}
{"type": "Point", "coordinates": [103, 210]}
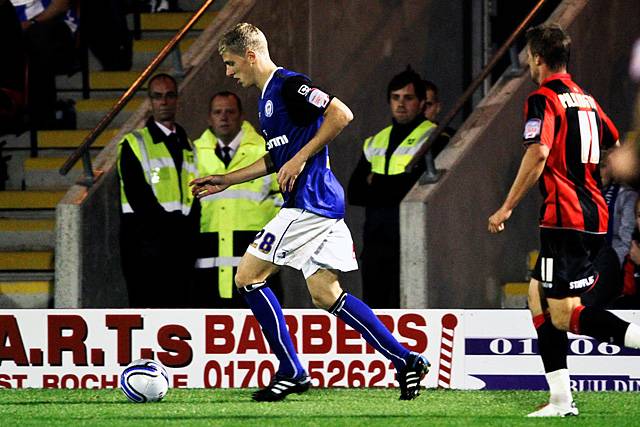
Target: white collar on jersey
{"type": "Point", "coordinates": [264, 88]}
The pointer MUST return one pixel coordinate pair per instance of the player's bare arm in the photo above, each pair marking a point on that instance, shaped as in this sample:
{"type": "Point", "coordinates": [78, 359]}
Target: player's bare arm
{"type": "Point", "coordinates": [212, 184]}
{"type": "Point", "coordinates": [530, 170]}
{"type": "Point", "coordinates": [336, 117]}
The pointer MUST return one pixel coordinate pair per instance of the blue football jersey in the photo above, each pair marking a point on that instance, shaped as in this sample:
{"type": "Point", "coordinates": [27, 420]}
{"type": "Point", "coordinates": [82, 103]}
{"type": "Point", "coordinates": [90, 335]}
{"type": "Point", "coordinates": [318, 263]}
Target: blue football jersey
{"type": "Point", "coordinates": [316, 189]}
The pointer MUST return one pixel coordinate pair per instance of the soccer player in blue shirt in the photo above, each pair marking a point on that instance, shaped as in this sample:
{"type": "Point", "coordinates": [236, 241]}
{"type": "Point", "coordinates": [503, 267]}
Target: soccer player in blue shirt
{"type": "Point", "coordinates": [298, 120]}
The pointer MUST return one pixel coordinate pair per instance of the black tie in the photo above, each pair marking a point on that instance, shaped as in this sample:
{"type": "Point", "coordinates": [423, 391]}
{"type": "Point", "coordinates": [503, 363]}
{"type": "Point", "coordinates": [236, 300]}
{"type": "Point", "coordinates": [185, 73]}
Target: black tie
{"type": "Point", "coordinates": [226, 157]}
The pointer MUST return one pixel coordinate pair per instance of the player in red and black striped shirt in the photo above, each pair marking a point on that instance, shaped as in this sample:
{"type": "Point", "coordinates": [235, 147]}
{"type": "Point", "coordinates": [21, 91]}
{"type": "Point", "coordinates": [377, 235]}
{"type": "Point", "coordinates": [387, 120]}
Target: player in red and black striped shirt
{"type": "Point", "coordinates": [564, 131]}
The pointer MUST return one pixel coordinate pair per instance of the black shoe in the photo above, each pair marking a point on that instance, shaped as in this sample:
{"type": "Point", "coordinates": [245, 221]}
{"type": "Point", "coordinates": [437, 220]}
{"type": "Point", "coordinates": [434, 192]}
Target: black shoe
{"type": "Point", "coordinates": [280, 387]}
{"type": "Point", "coordinates": [410, 377]}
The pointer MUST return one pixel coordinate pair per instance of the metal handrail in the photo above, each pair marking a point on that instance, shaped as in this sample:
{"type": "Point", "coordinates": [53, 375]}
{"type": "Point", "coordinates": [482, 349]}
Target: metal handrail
{"type": "Point", "coordinates": [83, 149]}
{"type": "Point", "coordinates": [473, 86]}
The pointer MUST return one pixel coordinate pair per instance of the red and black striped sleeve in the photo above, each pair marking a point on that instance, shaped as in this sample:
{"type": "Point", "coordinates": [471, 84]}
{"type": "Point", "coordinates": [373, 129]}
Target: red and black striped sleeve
{"type": "Point", "coordinates": [539, 120]}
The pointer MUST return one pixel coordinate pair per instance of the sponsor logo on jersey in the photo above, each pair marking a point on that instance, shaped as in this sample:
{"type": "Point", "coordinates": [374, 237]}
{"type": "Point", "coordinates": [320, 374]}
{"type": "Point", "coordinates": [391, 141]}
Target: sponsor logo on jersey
{"type": "Point", "coordinates": [582, 283]}
{"type": "Point", "coordinates": [268, 108]}
{"type": "Point", "coordinates": [532, 128]}
{"type": "Point", "coordinates": [318, 98]}
{"type": "Point", "coordinates": [277, 141]}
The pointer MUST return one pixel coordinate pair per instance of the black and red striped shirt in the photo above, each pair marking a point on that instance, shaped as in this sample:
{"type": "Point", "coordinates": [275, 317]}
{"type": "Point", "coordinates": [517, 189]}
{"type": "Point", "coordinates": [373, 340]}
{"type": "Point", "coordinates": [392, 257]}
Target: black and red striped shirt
{"type": "Point", "coordinates": [570, 122]}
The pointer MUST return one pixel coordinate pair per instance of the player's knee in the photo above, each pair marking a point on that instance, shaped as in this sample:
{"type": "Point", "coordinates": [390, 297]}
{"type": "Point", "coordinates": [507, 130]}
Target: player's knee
{"type": "Point", "coordinates": [561, 320]}
{"type": "Point", "coordinates": [242, 279]}
{"type": "Point", "coordinates": [320, 303]}
{"type": "Point", "coordinates": [321, 300]}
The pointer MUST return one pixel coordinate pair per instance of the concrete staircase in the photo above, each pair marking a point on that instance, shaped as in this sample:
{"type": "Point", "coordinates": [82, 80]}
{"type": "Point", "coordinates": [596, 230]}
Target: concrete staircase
{"type": "Point", "coordinates": [27, 207]}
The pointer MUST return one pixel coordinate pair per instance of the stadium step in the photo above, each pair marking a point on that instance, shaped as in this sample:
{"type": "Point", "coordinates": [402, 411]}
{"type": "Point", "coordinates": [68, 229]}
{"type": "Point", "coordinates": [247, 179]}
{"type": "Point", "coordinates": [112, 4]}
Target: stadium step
{"type": "Point", "coordinates": [514, 295]}
{"type": "Point", "coordinates": [26, 293]}
{"type": "Point", "coordinates": [173, 21]}
{"type": "Point", "coordinates": [90, 111]}
{"type": "Point", "coordinates": [71, 139]}
{"type": "Point", "coordinates": [20, 234]}
{"type": "Point", "coordinates": [29, 200]}
{"type": "Point", "coordinates": [112, 80]}
{"type": "Point", "coordinates": [26, 261]}
{"type": "Point", "coordinates": [146, 49]}
{"type": "Point", "coordinates": [155, 45]}
{"type": "Point", "coordinates": [41, 172]}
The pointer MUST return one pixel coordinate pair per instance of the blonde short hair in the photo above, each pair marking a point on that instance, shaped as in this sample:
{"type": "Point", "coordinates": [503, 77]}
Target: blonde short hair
{"type": "Point", "coordinates": [243, 37]}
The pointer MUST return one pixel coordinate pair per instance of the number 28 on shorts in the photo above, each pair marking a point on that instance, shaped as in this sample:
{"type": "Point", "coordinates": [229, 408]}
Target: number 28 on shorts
{"type": "Point", "coordinates": [264, 241]}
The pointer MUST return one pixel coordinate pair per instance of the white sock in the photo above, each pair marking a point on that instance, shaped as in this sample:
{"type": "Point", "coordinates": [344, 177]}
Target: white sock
{"type": "Point", "coordinates": [632, 336]}
{"type": "Point", "coordinates": [560, 387]}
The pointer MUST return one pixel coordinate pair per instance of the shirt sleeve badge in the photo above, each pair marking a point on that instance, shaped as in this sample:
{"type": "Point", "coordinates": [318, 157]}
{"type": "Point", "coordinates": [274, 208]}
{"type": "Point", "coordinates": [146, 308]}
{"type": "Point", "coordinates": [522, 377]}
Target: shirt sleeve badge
{"type": "Point", "coordinates": [532, 128]}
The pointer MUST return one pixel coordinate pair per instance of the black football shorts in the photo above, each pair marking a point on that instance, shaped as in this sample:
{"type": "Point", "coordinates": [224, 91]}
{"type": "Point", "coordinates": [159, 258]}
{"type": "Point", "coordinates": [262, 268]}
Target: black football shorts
{"type": "Point", "coordinates": [565, 263]}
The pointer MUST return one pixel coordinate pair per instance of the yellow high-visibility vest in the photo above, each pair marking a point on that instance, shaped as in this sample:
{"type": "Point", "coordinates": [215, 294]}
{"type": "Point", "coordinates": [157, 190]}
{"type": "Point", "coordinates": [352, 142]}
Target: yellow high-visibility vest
{"type": "Point", "coordinates": [375, 149]}
{"type": "Point", "coordinates": [171, 191]}
{"type": "Point", "coordinates": [242, 207]}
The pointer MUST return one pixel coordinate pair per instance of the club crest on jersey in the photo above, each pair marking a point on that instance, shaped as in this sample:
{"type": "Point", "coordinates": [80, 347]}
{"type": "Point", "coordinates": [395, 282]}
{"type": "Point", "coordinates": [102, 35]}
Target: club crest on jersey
{"type": "Point", "coordinates": [318, 98]}
{"type": "Point", "coordinates": [268, 108]}
{"type": "Point", "coordinates": [532, 128]}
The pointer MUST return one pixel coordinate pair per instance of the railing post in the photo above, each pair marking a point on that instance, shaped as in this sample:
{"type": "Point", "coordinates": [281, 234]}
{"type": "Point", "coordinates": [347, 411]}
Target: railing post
{"type": "Point", "coordinates": [88, 179]}
{"type": "Point", "coordinates": [177, 62]}
{"type": "Point", "coordinates": [431, 174]}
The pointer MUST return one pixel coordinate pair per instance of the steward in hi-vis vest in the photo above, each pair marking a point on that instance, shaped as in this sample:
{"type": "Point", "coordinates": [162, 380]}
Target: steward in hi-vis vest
{"type": "Point", "coordinates": [230, 219]}
{"type": "Point", "coordinates": [159, 218]}
{"type": "Point", "coordinates": [380, 182]}
{"type": "Point", "coordinates": [377, 146]}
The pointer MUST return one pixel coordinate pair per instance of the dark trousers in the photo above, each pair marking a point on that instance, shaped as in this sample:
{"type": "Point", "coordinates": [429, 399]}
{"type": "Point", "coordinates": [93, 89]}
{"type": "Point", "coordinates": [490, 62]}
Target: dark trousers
{"type": "Point", "coordinates": [108, 36]}
{"type": "Point", "coordinates": [50, 51]}
{"type": "Point", "coordinates": [157, 265]}
{"type": "Point", "coordinates": [381, 257]}
{"type": "Point", "coordinates": [12, 71]}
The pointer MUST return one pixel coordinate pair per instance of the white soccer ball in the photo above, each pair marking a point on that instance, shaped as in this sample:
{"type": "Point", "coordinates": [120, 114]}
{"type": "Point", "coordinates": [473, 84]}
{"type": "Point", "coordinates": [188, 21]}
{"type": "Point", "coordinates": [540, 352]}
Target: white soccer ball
{"type": "Point", "coordinates": [144, 380]}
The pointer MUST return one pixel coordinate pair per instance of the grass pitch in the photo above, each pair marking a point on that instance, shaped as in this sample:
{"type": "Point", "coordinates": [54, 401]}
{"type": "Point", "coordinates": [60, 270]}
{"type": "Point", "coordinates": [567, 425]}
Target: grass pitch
{"type": "Point", "coordinates": [318, 407]}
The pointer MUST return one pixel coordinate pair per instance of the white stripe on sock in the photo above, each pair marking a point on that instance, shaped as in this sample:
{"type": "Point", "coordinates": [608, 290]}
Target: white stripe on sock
{"type": "Point", "coordinates": [344, 310]}
{"type": "Point", "coordinates": [295, 369]}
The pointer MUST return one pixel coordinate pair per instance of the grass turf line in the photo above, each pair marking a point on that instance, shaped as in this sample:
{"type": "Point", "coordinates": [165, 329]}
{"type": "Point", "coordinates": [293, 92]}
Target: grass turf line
{"type": "Point", "coordinates": [321, 407]}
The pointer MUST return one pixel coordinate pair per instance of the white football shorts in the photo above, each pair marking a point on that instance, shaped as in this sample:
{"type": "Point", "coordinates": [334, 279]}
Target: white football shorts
{"type": "Point", "coordinates": [305, 241]}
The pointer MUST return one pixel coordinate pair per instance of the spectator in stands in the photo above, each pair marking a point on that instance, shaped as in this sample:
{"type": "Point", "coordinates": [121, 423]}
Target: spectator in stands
{"type": "Point", "coordinates": [379, 183]}
{"type": "Point", "coordinates": [12, 72]}
{"type": "Point", "coordinates": [107, 33]}
{"type": "Point", "coordinates": [49, 27]}
{"type": "Point", "coordinates": [432, 108]}
{"type": "Point", "coordinates": [621, 201]}
{"type": "Point", "coordinates": [630, 298]}
{"type": "Point", "coordinates": [159, 220]}
{"type": "Point", "coordinates": [230, 220]}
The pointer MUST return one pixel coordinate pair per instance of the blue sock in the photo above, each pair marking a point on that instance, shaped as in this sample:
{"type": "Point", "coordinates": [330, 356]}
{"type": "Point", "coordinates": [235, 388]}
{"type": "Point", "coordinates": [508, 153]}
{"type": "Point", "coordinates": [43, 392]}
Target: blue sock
{"type": "Point", "coordinates": [359, 316]}
{"type": "Point", "coordinates": [268, 313]}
